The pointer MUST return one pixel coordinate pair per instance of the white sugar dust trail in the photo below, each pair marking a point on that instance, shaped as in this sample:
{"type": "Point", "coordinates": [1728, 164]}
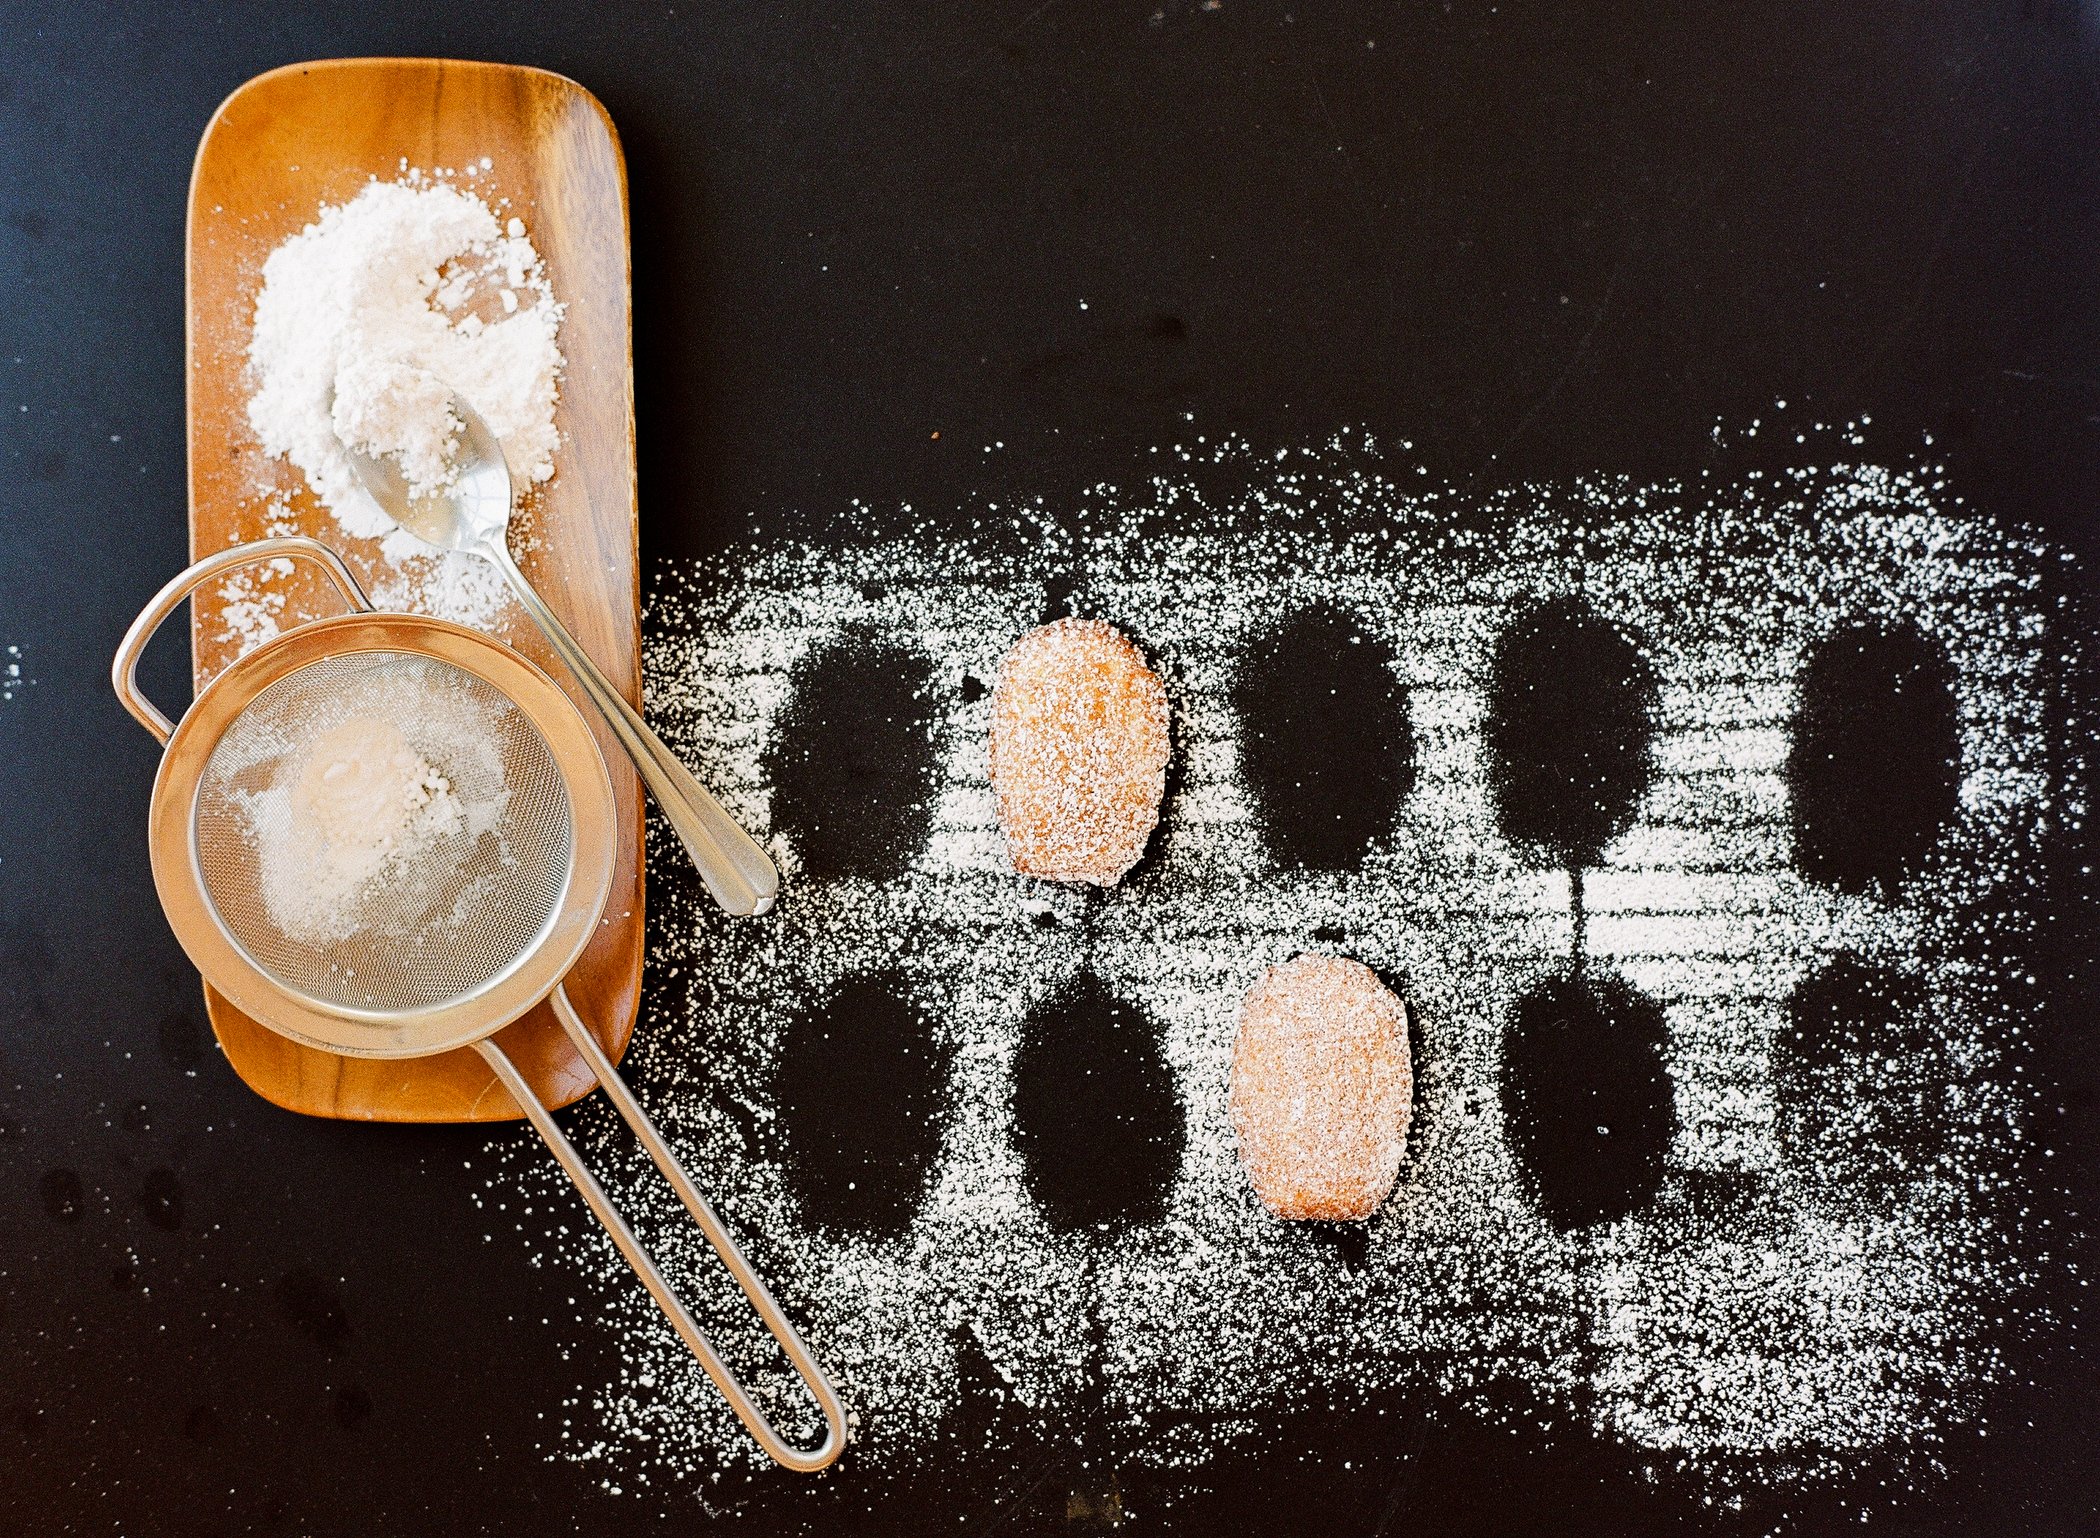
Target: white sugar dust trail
{"type": "Point", "coordinates": [1778, 1308]}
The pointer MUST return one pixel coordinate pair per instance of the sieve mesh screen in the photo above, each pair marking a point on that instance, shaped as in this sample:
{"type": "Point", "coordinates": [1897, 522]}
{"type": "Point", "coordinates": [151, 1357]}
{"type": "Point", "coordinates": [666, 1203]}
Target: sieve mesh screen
{"type": "Point", "coordinates": [349, 909]}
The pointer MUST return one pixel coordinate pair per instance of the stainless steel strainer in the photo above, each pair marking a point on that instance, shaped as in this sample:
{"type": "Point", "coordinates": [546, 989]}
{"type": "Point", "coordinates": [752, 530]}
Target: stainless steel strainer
{"type": "Point", "coordinates": [474, 899]}
{"type": "Point", "coordinates": [469, 906]}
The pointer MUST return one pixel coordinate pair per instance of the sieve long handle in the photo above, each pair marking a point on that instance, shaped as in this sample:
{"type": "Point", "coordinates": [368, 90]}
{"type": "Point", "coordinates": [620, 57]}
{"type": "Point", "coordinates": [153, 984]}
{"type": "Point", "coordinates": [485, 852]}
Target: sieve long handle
{"type": "Point", "coordinates": [813, 1376]}
{"type": "Point", "coordinates": [124, 670]}
{"type": "Point", "coordinates": [738, 873]}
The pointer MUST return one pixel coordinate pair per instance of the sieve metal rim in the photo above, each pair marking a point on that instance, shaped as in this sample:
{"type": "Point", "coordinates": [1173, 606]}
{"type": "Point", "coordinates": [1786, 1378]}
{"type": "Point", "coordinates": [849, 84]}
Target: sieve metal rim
{"type": "Point", "coordinates": [178, 878]}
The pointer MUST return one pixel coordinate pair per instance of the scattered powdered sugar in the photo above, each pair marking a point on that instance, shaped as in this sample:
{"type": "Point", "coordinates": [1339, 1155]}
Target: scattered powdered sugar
{"type": "Point", "coordinates": [367, 321]}
{"type": "Point", "coordinates": [12, 679]}
{"type": "Point", "coordinates": [1780, 1307]}
{"type": "Point", "coordinates": [251, 605]}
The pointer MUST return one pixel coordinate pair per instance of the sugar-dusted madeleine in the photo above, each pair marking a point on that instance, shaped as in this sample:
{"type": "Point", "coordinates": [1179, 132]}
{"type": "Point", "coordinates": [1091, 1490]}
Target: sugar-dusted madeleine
{"type": "Point", "coordinates": [1322, 1088]}
{"type": "Point", "coordinates": [1079, 751]}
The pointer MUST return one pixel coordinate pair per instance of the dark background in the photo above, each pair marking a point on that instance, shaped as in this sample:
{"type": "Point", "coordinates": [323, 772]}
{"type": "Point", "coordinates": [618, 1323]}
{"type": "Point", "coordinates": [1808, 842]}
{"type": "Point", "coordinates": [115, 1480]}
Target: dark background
{"type": "Point", "coordinates": [1534, 241]}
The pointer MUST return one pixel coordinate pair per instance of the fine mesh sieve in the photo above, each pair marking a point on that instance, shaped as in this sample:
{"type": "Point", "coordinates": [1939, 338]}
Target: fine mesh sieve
{"type": "Point", "coordinates": [474, 880]}
{"type": "Point", "coordinates": [470, 896]}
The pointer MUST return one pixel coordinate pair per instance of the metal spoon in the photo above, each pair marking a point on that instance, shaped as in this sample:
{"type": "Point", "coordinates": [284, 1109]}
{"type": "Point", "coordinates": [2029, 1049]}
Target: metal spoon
{"type": "Point", "coordinates": [473, 515]}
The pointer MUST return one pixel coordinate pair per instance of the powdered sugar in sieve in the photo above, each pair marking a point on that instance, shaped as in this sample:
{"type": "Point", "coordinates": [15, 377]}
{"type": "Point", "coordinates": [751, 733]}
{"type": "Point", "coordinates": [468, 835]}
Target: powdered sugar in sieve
{"type": "Point", "coordinates": [382, 831]}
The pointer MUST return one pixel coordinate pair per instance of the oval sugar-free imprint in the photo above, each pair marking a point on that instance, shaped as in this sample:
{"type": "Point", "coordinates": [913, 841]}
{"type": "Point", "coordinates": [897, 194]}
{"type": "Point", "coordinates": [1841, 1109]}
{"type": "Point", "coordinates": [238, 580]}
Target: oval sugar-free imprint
{"type": "Point", "coordinates": [1326, 737]}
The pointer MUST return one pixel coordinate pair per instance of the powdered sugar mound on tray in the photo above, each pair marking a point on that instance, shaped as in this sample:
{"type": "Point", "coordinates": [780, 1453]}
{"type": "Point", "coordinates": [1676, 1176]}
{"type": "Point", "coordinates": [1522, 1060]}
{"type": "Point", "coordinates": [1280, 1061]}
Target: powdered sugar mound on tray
{"type": "Point", "coordinates": [366, 321]}
{"type": "Point", "coordinates": [1776, 1311]}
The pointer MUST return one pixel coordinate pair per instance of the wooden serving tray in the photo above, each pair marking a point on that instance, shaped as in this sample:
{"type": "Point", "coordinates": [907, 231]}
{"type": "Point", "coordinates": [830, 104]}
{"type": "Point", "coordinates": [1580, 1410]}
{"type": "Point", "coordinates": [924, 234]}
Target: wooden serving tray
{"type": "Point", "coordinates": [277, 149]}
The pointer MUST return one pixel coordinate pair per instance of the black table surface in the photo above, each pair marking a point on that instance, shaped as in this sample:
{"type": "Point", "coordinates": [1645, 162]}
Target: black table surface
{"type": "Point", "coordinates": [1535, 241]}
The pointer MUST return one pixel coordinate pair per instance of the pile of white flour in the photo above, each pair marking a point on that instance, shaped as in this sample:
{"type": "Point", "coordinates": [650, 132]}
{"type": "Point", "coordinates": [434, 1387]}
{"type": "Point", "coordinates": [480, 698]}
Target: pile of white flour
{"type": "Point", "coordinates": [367, 321]}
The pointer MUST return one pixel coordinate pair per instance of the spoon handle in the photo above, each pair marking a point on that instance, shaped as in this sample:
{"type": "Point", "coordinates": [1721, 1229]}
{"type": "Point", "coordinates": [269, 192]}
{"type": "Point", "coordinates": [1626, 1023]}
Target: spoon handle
{"type": "Point", "coordinates": [737, 872]}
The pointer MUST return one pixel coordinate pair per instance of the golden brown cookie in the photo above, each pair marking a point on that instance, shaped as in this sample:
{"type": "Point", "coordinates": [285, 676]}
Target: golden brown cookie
{"type": "Point", "coordinates": [1079, 752]}
{"type": "Point", "coordinates": [1322, 1088]}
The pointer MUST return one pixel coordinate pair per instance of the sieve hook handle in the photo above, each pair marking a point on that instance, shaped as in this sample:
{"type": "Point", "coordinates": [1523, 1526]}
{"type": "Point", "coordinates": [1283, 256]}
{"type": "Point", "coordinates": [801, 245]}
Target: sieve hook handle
{"type": "Point", "coordinates": [124, 671]}
{"type": "Point", "coordinates": [804, 1460]}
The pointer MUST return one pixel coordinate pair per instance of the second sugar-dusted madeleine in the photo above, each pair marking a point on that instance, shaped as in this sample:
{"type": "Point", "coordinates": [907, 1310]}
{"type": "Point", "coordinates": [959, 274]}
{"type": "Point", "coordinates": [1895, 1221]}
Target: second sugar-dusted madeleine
{"type": "Point", "coordinates": [1322, 1088]}
{"type": "Point", "coordinates": [1079, 751]}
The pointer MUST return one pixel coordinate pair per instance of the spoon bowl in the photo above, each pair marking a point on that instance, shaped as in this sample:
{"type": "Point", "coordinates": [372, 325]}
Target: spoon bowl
{"type": "Point", "coordinates": [473, 511]}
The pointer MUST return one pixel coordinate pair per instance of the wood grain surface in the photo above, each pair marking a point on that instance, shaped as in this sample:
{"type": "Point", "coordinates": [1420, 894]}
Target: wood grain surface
{"type": "Point", "coordinates": [278, 149]}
